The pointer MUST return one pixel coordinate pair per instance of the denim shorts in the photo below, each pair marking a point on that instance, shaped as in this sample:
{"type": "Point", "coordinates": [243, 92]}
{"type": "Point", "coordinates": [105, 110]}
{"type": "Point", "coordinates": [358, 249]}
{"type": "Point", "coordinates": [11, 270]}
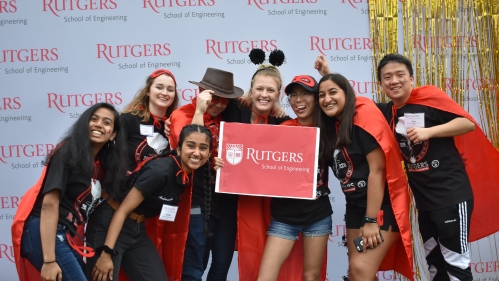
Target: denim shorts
{"type": "Point", "coordinates": [291, 231]}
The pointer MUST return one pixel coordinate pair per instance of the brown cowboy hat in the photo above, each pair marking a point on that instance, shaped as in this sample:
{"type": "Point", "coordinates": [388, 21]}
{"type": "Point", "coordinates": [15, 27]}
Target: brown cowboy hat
{"type": "Point", "coordinates": [221, 82]}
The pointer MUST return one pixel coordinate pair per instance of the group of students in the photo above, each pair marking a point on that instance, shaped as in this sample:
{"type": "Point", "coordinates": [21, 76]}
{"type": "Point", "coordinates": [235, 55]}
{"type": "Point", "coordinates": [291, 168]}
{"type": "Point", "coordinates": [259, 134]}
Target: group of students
{"type": "Point", "coordinates": [123, 175]}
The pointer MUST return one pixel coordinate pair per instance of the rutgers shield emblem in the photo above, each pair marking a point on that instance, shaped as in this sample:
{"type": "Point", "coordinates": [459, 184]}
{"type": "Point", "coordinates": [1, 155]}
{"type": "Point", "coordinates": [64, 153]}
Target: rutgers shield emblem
{"type": "Point", "coordinates": [234, 153]}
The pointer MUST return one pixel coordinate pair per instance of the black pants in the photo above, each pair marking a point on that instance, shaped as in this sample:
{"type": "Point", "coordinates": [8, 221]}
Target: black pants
{"type": "Point", "coordinates": [137, 255]}
{"type": "Point", "coordinates": [445, 237]}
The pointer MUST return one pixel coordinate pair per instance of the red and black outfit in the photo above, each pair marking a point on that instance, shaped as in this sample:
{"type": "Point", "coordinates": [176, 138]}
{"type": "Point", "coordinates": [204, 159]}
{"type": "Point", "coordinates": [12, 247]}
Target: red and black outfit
{"type": "Point", "coordinates": [80, 194]}
{"type": "Point", "coordinates": [350, 166]}
{"type": "Point", "coordinates": [453, 180]}
{"type": "Point", "coordinates": [251, 216]}
{"type": "Point", "coordinates": [194, 262]}
{"type": "Point", "coordinates": [162, 182]}
{"type": "Point", "coordinates": [141, 147]}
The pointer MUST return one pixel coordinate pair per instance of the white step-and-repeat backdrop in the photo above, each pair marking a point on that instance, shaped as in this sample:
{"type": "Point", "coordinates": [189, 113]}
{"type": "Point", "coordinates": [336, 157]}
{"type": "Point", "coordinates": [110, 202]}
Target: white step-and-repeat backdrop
{"type": "Point", "coordinates": [57, 57]}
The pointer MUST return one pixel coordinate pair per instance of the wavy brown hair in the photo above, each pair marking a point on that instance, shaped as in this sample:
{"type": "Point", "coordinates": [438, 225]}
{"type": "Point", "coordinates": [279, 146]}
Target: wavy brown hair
{"type": "Point", "coordinates": [140, 103]}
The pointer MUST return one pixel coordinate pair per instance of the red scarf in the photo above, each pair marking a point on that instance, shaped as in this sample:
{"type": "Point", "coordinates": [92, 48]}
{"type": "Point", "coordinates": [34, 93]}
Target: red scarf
{"type": "Point", "coordinates": [294, 122]}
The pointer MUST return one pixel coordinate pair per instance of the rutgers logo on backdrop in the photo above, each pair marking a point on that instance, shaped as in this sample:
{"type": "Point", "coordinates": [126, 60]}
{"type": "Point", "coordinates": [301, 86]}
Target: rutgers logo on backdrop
{"type": "Point", "coordinates": [109, 52]}
{"type": "Point", "coordinates": [10, 103]}
{"type": "Point", "coordinates": [24, 150]}
{"type": "Point", "coordinates": [344, 44]}
{"type": "Point", "coordinates": [29, 55]}
{"type": "Point", "coordinates": [8, 6]}
{"type": "Point", "coordinates": [60, 102]}
{"type": "Point", "coordinates": [158, 4]}
{"type": "Point", "coordinates": [261, 3]}
{"type": "Point", "coordinates": [55, 6]}
{"type": "Point", "coordinates": [238, 47]}
{"type": "Point", "coordinates": [234, 153]}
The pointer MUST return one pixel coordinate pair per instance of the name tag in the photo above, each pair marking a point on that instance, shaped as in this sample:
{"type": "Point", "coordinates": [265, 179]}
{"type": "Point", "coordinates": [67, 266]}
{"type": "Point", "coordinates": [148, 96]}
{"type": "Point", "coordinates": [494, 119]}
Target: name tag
{"type": "Point", "coordinates": [168, 213]}
{"type": "Point", "coordinates": [414, 120]}
{"type": "Point", "coordinates": [146, 130]}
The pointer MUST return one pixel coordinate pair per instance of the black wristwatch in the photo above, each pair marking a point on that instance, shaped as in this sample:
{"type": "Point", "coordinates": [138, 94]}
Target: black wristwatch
{"type": "Point", "coordinates": [370, 220]}
{"type": "Point", "coordinates": [106, 249]}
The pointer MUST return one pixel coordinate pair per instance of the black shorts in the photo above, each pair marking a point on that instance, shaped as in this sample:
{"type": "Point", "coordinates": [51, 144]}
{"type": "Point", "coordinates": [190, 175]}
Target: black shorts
{"type": "Point", "coordinates": [354, 217]}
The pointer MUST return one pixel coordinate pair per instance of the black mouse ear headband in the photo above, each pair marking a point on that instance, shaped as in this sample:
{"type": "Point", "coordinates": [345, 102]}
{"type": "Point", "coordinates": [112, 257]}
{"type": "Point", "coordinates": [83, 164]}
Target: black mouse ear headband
{"type": "Point", "coordinates": [257, 56]}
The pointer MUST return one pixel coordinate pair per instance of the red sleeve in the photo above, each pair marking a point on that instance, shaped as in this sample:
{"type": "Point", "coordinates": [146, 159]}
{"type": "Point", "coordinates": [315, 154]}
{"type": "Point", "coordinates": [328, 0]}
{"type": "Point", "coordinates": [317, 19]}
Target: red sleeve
{"type": "Point", "coordinates": [370, 118]}
{"type": "Point", "coordinates": [480, 158]}
{"type": "Point", "coordinates": [180, 117]}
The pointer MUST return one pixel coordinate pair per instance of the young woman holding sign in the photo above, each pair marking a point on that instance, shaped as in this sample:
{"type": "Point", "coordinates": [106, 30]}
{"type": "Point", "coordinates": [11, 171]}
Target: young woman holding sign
{"type": "Point", "coordinates": [91, 153]}
{"type": "Point", "coordinates": [292, 216]}
{"type": "Point", "coordinates": [118, 229]}
{"type": "Point", "coordinates": [364, 156]}
{"type": "Point", "coordinates": [254, 107]}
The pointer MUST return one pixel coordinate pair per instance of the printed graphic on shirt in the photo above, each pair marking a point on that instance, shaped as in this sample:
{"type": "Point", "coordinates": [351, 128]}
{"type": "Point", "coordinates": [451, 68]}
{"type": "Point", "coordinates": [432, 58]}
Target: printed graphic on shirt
{"type": "Point", "coordinates": [341, 161]}
{"type": "Point", "coordinates": [88, 200]}
{"type": "Point", "coordinates": [320, 182]}
{"type": "Point", "coordinates": [413, 152]}
{"type": "Point", "coordinates": [156, 143]}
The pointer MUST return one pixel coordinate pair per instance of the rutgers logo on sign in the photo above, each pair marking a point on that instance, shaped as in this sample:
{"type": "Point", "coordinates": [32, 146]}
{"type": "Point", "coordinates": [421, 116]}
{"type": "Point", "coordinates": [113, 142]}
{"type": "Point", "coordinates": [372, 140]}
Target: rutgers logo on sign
{"type": "Point", "coordinates": [234, 153]}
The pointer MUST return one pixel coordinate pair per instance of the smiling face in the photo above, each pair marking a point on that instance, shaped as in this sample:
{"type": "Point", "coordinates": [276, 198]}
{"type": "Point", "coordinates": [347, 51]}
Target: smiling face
{"type": "Point", "coordinates": [331, 99]}
{"type": "Point", "coordinates": [101, 126]}
{"type": "Point", "coordinates": [194, 151]}
{"type": "Point", "coordinates": [264, 94]}
{"type": "Point", "coordinates": [302, 103]}
{"type": "Point", "coordinates": [396, 82]}
{"type": "Point", "coordinates": [161, 93]}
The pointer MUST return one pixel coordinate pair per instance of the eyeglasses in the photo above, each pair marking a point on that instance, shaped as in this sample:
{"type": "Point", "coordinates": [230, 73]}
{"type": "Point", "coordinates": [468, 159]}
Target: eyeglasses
{"type": "Point", "coordinates": [303, 96]}
{"type": "Point", "coordinates": [217, 99]}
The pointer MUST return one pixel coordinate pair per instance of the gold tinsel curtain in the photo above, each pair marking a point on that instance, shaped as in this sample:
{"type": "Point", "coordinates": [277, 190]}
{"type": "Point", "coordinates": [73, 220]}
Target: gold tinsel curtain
{"type": "Point", "coordinates": [453, 44]}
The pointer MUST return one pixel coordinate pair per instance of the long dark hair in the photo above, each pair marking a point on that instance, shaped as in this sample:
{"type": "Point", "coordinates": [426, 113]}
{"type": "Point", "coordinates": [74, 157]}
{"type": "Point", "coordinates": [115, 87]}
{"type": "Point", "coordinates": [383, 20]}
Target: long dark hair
{"type": "Point", "coordinates": [186, 131]}
{"type": "Point", "coordinates": [75, 149]}
{"type": "Point", "coordinates": [331, 139]}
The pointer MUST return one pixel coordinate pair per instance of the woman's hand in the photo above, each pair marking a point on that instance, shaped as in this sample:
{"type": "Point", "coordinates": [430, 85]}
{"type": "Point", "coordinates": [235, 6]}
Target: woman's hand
{"type": "Point", "coordinates": [103, 268]}
{"type": "Point", "coordinates": [202, 101]}
{"type": "Point", "coordinates": [51, 272]}
{"type": "Point", "coordinates": [370, 235]}
{"type": "Point", "coordinates": [279, 111]}
{"type": "Point", "coordinates": [321, 65]}
{"type": "Point", "coordinates": [219, 163]}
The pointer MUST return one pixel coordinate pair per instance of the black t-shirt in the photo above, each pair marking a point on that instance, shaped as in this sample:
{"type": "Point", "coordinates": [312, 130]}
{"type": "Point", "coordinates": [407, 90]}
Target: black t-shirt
{"type": "Point", "coordinates": [80, 194]}
{"type": "Point", "coordinates": [302, 211]}
{"type": "Point", "coordinates": [436, 171]}
{"type": "Point", "coordinates": [141, 146]}
{"type": "Point", "coordinates": [160, 183]}
{"type": "Point", "coordinates": [350, 166]}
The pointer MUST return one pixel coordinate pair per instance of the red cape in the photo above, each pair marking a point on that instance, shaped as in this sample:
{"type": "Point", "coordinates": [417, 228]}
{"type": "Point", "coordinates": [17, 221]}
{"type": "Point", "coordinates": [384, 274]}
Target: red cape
{"type": "Point", "coordinates": [480, 158]}
{"type": "Point", "coordinates": [25, 270]}
{"type": "Point", "coordinates": [170, 237]}
{"type": "Point", "coordinates": [253, 220]}
{"type": "Point", "coordinates": [368, 117]}
{"type": "Point", "coordinates": [181, 117]}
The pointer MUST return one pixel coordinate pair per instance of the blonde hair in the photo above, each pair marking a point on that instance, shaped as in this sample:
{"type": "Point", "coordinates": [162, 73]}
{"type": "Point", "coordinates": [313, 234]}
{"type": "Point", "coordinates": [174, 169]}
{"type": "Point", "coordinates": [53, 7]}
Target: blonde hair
{"type": "Point", "coordinates": [263, 70]}
{"type": "Point", "coordinates": [140, 102]}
